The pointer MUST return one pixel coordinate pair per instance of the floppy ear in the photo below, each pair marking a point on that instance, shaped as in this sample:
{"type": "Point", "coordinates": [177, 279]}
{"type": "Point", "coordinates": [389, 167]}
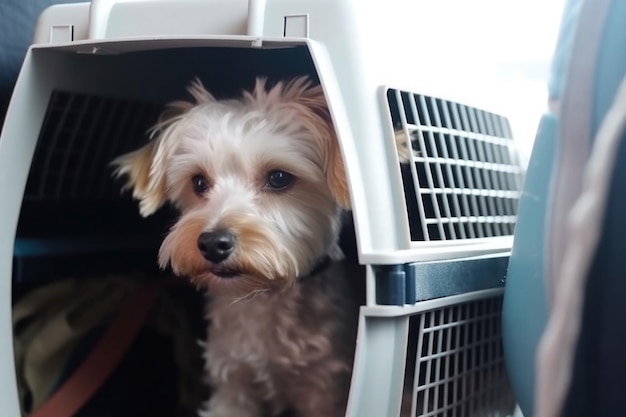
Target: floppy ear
{"type": "Point", "coordinates": [336, 172]}
{"type": "Point", "coordinates": [144, 177]}
{"type": "Point", "coordinates": [313, 99]}
{"type": "Point", "coordinates": [146, 168]}
{"type": "Point", "coordinates": [335, 168]}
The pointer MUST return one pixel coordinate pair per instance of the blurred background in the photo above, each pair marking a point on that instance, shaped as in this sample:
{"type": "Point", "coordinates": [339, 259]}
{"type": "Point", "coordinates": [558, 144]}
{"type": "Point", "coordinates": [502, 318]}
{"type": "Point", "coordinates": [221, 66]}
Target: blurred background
{"type": "Point", "coordinates": [515, 41]}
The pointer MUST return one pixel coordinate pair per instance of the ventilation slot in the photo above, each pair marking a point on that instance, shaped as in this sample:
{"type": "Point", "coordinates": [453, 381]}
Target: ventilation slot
{"type": "Point", "coordinates": [70, 178]}
{"type": "Point", "coordinates": [462, 179]}
{"type": "Point", "coordinates": [456, 367]}
{"type": "Point", "coordinates": [80, 136]}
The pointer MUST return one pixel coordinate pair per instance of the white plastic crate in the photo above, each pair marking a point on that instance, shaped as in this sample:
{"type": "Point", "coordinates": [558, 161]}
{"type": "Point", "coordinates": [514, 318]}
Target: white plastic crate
{"type": "Point", "coordinates": [434, 234]}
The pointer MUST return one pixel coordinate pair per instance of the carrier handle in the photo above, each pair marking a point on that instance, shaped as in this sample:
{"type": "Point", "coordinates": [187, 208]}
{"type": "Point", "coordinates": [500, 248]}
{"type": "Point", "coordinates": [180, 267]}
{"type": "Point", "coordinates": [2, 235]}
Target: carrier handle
{"type": "Point", "coordinates": [256, 17]}
{"type": "Point", "coordinates": [99, 11]}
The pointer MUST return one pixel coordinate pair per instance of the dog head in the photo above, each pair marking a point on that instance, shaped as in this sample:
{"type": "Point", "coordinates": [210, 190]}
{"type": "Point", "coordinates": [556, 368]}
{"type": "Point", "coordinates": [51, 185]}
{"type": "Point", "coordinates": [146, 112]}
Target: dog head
{"type": "Point", "coordinates": [259, 182]}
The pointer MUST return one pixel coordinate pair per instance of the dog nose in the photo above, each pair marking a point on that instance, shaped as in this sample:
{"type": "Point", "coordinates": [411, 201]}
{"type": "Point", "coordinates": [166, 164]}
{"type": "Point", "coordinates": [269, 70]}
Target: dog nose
{"type": "Point", "coordinates": [216, 246]}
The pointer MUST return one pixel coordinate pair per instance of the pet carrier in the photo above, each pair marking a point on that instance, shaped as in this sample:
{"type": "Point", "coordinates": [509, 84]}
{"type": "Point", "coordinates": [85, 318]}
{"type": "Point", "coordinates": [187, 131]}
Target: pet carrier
{"type": "Point", "coordinates": [434, 233]}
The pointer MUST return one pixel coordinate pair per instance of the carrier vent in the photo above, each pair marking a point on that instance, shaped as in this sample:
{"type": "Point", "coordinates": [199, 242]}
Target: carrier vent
{"type": "Point", "coordinates": [79, 137]}
{"type": "Point", "coordinates": [463, 177]}
{"type": "Point", "coordinates": [456, 367]}
{"type": "Point", "coordinates": [95, 229]}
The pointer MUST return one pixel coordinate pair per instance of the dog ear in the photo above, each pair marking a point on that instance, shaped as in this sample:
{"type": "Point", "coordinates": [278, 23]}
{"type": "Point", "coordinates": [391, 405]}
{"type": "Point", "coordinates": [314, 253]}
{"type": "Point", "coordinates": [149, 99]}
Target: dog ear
{"type": "Point", "coordinates": [145, 168]}
{"type": "Point", "coordinates": [334, 164]}
{"type": "Point", "coordinates": [336, 171]}
{"type": "Point", "coordinates": [313, 100]}
{"type": "Point", "coordinates": [145, 177]}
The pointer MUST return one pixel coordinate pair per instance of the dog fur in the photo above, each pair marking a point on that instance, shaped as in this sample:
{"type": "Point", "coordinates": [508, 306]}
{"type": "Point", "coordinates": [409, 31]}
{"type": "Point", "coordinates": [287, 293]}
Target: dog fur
{"type": "Point", "coordinates": [282, 318]}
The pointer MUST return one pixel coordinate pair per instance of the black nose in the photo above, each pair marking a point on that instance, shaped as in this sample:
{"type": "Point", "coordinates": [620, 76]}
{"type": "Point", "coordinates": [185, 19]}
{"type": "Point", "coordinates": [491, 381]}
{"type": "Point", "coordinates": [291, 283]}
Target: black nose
{"type": "Point", "coordinates": [216, 246]}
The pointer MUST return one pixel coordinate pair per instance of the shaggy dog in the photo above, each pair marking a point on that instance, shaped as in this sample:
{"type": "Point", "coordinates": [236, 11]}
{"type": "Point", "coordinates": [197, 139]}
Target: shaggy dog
{"type": "Point", "coordinates": [261, 189]}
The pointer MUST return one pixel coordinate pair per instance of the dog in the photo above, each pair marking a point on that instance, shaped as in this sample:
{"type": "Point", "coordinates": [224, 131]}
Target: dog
{"type": "Point", "coordinates": [261, 190]}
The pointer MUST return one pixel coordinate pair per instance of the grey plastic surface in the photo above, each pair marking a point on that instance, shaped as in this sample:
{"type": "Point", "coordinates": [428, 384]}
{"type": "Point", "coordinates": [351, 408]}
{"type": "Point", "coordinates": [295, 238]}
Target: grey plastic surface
{"type": "Point", "coordinates": [378, 376]}
{"type": "Point", "coordinates": [441, 279]}
{"type": "Point", "coordinates": [419, 281]}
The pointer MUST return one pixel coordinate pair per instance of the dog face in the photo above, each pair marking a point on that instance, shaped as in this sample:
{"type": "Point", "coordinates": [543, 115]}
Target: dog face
{"type": "Point", "coordinates": [259, 182]}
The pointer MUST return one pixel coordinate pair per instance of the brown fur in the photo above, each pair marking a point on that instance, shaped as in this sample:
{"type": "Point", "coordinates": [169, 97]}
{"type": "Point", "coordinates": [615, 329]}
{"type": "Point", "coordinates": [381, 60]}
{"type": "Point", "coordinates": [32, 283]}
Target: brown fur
{"type": "Point", "coordinates": [296, 355]}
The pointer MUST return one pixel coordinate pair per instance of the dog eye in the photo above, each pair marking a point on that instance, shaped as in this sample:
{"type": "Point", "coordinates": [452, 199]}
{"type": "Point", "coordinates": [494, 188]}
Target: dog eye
{"type": "Point", "coordinates": [200, 184]}
{"type": "Point", "coordinates": [279, 180]}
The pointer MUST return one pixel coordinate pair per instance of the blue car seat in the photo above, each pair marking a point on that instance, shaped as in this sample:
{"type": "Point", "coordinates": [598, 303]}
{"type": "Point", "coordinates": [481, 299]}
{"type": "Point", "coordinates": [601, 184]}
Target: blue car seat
{"type": "Point", "coordinates": [565, 296]}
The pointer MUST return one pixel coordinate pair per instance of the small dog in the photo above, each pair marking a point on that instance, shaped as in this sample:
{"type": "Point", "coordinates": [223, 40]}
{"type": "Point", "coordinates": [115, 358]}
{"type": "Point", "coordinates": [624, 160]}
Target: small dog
{"type": "Point", "coordinates": [261, 188]}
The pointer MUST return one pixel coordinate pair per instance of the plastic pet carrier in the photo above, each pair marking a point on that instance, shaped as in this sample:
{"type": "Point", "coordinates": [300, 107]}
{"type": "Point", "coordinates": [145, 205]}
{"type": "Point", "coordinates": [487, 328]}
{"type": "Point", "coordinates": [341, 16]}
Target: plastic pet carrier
{"type": "Point", "coordinates": [434, 233]}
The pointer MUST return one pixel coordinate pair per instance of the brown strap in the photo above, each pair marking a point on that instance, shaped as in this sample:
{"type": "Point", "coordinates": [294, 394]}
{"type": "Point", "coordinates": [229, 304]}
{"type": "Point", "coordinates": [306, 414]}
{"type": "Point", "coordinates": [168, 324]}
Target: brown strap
{"type": "Point", "coordinates": [70, 397]}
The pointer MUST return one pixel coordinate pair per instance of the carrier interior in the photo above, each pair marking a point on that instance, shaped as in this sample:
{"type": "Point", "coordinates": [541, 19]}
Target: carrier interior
{"type": "Point", "coordinates": [74, 218]}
